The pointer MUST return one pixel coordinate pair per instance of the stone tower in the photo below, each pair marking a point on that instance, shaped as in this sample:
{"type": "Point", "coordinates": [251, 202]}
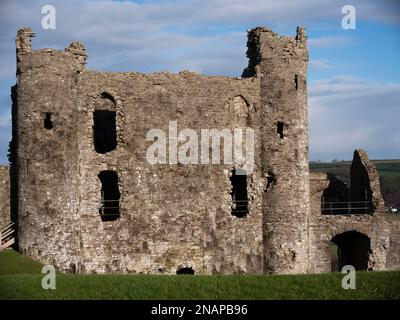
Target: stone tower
{"type": "Point", "coordinates": [44, 161]}
{"type": "Point", "coordinates": [281, 63]}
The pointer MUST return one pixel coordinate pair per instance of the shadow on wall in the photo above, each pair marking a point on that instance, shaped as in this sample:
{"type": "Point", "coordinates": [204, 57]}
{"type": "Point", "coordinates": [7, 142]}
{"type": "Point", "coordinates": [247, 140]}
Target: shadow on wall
{"type": "Point", "coordinates": [359, 197]}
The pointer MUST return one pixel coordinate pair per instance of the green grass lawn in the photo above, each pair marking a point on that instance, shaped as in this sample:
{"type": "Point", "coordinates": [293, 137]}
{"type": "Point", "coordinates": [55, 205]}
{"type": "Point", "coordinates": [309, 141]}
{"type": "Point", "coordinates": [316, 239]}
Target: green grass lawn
{"type": "Point", "coordinates": [20, 278]}
{"type": "Point", "coordinates": [12, 262]}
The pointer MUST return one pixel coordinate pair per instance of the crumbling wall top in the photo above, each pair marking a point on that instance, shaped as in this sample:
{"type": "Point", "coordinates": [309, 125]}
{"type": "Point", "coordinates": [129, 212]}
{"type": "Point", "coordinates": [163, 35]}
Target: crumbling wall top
{"type": "Point", "coordinates": [23, 40]}
{"type": "Point", "coordinates": [264, 44]}
{"type": "Point", "coordinates": [28, 58]}
{"type": "Point", "coordinates": [77, 49]}
{"type": "Point", "coordinates": [365, 179]}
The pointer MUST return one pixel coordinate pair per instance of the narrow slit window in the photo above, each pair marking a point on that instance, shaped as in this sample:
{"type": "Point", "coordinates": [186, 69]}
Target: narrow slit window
{"type": "Point", "coordinates": [110, 196]}
{"type": "Point", "coordinates": [48, 122]}
{"type": "Point", "coordinates": [279, 129]}
{"type": "Point", "coordinates": [239, 193]}
{"type": "Point", "coordinates": [296, 81]}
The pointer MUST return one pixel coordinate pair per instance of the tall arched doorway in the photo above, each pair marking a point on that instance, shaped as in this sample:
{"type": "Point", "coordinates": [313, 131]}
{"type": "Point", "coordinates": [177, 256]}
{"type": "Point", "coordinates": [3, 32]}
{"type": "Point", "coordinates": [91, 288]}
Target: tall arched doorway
{"type": "Point", "coordinates": [352, 248]}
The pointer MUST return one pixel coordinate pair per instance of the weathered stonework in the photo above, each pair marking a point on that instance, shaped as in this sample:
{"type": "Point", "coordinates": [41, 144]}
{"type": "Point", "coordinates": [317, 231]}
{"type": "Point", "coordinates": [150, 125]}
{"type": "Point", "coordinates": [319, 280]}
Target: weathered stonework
{"type": "Point", "coordinates": [5, 213]}
{"type": "Point", "coordinates": [323, 228]}
{"type": "Point", "coordinates": [173, 216]}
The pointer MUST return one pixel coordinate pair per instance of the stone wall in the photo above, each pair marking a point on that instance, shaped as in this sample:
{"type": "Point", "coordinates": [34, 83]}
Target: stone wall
{"type": "Point", "coordinates": [172, 215]}
{"type": "Point", "coordinates": [324, 227]}
{"type": "Point", "coordinates": [393, 258]}
{"type": "Point", "coordinates": [5, 214]}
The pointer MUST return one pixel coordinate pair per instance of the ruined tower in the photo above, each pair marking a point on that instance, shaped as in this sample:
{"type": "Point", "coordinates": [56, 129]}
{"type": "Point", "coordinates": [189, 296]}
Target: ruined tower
{"type": "Point", "coordinates": [44, 151]}
{"type": "Point", "coordinates": [280, 63]}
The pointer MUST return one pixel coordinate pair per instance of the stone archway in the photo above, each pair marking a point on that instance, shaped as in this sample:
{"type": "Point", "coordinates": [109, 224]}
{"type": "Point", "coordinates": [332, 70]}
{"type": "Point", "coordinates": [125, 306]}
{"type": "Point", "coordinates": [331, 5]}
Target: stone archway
{"type": "Point", "coordinates": [352, 248]}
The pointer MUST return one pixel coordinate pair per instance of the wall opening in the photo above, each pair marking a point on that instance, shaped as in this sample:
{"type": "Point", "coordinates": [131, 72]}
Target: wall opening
{"type": "Point", "coordinates": [352, 248]}
{"type": "Point", "coordinates": [279, 129]}
{"type": "Point", "coordinates": [105, 132]}
{"type": "Point", "coordinates": [48, 122]}
{"type": "Point", "coordinates": [239, 193]}
{"type": "Point", "coordinates": [105, 127]}
{"type": "Point", "coordinates": [185, 270]}
{"type": "Point", "coordinates": [296, 82]}
{"type": "Point", "coordinates": [337, 199]}
{"type": "Point", "coordinates": [110, 196]}
{"type": "Point", "coordinates": [271, 180]}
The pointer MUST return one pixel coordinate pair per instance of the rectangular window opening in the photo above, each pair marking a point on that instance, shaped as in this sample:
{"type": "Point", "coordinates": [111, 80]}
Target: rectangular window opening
{"type": "Point", "coordinates": [110, 196]}
{"type": "Point", "coordinates": [239, 193]}
{"type": "Point", "coordinates": [105, 131]}
{"type": "Point", "coordinates": [296, 81]}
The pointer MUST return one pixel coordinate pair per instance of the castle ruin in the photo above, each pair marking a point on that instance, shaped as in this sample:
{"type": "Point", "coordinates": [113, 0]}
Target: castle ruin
{"type": "Point", "coordinates": [86, 200]}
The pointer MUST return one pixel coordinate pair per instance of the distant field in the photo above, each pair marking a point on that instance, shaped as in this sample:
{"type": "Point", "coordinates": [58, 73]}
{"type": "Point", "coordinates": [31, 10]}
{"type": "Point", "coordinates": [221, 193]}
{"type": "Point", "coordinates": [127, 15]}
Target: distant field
{"type": "Point", "coordinates": [20, 278]}
{"type": "Point", "coordinates": [389, 173]}
{"type": "Point", "coordinates": [392, 166]}
{"type": "Point", "coordinates": [389, 170]}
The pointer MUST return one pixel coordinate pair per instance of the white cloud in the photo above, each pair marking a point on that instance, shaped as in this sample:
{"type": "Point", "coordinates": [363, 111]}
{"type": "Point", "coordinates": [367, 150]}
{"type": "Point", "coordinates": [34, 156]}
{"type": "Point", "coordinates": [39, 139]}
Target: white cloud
{"type": "Point", "coordinates": [5, 120]}
{"type": "Point", "coordinates": [125, 35]}
{"type": "Point", "coordinates": [329, 41]}
{"type": "Point", "coordinates": [346, 113]}
{"type": "Point", "coordinates": [319, 64]}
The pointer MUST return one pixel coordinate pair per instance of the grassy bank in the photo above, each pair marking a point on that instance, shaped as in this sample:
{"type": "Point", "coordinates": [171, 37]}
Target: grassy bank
{"type": "Point", "coordinates": [20, 278]}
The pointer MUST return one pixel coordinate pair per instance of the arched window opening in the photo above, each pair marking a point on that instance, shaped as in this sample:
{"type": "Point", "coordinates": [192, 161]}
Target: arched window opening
{"type": "Point", "coordinates": [105, 127]}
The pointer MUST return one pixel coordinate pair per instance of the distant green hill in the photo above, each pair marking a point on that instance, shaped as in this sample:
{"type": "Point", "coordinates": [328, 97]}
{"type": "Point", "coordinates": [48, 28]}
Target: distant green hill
{"type": "Point", "coordinates": [389, 173]}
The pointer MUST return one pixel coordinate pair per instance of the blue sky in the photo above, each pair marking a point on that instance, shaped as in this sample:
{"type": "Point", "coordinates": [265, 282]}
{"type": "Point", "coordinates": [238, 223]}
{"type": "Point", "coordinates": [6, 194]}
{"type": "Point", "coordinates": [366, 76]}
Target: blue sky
{"type": "Point", "coordinates": [353, 75]}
